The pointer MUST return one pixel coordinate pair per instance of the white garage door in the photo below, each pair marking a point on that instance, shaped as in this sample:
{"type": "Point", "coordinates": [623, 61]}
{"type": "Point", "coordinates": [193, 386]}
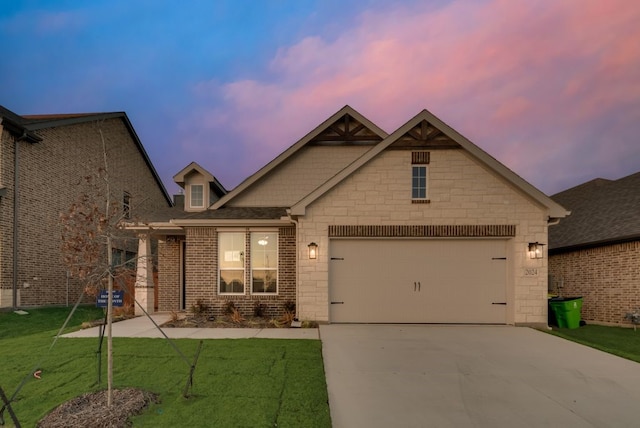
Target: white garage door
{"type": "Point", "coordinates": [418, 281]}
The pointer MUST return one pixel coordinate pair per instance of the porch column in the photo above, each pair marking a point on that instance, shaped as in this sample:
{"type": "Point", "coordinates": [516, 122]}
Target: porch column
{"type": "Point", "coordinates": [145, 291]}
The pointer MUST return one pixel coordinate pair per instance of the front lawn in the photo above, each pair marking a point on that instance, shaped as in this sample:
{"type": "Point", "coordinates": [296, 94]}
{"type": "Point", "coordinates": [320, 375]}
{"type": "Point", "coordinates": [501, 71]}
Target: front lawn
{"type": "Point", "coordinates": [624, 342]}
{"type": "Point", "coordinates": [237, 383]}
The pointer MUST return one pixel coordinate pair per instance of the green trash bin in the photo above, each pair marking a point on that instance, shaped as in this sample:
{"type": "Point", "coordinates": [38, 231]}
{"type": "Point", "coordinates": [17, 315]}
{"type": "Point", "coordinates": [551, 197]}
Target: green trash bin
{"type": "Point", "coordinates": [567, 311]}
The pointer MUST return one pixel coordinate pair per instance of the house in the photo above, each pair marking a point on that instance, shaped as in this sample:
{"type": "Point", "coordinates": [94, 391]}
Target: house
{"type": "Point", "coordinates": [352, 224]}
{"type": "Point", "coordinates": [595, 253]}
{"type": "Point", "coordinates": [43, 160]}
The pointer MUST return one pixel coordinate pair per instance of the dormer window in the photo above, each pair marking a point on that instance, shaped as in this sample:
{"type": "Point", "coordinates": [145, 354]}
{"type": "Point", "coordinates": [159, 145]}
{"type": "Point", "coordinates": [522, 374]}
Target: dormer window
{"type": "Point", "coordinates": [196, 197]}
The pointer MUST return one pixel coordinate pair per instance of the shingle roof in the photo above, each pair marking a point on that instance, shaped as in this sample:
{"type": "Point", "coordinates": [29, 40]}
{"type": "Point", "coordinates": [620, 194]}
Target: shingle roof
{"type": "Point", "coordinates": [31, 123]}
{"type": "Point", "coordinates": [224, 213]}
{"type": "Point", "coordinates": [602, 211]}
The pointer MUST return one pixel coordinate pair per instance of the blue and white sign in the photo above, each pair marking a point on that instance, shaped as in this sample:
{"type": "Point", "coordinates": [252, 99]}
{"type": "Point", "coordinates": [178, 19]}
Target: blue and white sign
{"type": "Point", "coordinates": [103, 298]}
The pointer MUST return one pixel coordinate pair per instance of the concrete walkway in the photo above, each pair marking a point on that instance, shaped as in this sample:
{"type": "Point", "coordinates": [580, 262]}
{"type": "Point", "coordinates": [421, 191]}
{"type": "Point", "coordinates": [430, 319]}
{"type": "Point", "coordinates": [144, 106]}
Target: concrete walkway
{"type": "Point", "coordinates": [143, 327]}
{"type": "Point", "coordinates": [473, 376]}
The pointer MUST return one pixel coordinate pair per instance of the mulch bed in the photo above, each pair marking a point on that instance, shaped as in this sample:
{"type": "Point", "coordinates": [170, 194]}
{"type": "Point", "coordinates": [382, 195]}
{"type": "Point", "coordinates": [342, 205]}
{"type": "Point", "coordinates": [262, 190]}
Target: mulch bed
{"type": "Point", "coordinates": [202, 321]}
{"type": "Point", "coordinates": [90, 410]}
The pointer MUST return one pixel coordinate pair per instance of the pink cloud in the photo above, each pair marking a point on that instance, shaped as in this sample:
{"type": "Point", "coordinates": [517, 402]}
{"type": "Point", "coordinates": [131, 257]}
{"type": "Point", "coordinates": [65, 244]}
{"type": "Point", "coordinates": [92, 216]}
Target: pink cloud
{"type": "Point", "coordinates": [516, 77]}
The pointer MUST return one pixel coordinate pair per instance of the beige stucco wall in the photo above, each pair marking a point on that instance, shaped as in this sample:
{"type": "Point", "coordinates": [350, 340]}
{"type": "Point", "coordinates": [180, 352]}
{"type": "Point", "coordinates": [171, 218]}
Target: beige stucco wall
{"type": "Point", "coordinates": [461, 191]}
{"type": "Point", "coordinates": [298, 176]}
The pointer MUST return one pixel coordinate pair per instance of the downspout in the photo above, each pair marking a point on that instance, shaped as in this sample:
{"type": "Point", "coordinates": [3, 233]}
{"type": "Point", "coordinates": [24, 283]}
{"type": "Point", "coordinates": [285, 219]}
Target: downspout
{"type": "Point", "coordinates": [16, 204]}
{"type": "Point", "coordinates": [291, 219]}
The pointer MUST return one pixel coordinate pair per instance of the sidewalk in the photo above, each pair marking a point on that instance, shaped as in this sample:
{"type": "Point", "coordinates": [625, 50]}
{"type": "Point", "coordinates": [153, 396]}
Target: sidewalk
{"type": "Point", "coordinates": [143, 327]}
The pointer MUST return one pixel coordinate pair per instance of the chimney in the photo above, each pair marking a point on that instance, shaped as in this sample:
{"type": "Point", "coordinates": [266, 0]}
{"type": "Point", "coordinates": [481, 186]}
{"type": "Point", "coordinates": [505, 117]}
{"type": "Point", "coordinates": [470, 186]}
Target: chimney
{"type": "Point", "coordinates": [178, 200]}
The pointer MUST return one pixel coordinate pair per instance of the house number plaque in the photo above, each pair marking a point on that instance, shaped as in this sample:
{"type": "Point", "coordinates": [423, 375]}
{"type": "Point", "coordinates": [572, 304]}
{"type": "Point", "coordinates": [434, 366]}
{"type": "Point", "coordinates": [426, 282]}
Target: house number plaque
{"type": "Point", "coordinates": [531, 272]}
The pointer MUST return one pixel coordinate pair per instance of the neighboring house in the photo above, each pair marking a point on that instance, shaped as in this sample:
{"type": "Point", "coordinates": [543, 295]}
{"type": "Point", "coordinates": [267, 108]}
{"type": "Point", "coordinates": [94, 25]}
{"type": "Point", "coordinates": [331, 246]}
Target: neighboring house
{"type": "Point", "coordinates": [43, 160]}
{"type": "Point", "coordinates": [595, 253]}
{"type": "Point", "coordinates": [356, 225]}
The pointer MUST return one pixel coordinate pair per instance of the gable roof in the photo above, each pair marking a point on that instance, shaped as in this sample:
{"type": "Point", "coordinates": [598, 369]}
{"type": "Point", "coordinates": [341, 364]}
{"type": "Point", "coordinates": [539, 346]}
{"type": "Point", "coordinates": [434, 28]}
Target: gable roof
{"type": "Point", "coordinates": [602, 212]}
{"type": "Point", "coordinates": [31, 123]}
{"type": "Point", "coordinates": [365, 132]}
{"type": "Point", "coordinates": [179, 178]}
{"type": "Point", "coordinates": [15, 124]}
{"type": "Point", "coordinates": [426, 126]}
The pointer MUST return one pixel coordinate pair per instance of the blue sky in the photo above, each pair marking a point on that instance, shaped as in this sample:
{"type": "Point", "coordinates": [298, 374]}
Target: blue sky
{"type": "Point", "coordinates": [549, 88]}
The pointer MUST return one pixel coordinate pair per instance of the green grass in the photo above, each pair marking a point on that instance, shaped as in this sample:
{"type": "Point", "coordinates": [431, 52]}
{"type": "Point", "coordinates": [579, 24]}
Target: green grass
{"type": "Point", "coordinates": [624, 342]}
{"type": "Point", "coordinates": [237, 383]}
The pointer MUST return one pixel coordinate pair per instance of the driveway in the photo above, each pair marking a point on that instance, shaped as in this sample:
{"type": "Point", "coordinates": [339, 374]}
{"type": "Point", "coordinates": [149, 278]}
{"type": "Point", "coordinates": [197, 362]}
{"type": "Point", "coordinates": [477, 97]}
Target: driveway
{"type": "Point", "coordinates": [473, 376]}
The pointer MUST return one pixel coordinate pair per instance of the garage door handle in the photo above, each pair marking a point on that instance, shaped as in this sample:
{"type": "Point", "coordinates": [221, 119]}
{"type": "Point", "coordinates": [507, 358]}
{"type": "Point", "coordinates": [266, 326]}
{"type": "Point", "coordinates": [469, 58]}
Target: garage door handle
{"type": "Point", "coordinates": [499, 303]}
{"type": "Point", "coordinates": [419, 286]}
{"type": "Point", "coordinates": [337, 303]}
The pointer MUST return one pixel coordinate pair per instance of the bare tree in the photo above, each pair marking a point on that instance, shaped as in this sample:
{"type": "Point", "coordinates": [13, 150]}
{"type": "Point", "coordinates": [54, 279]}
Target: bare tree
{"type": "Point", "coordinates": [90, 228]}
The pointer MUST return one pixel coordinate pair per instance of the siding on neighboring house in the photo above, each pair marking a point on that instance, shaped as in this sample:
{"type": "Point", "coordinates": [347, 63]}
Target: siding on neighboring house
{"type": "Point", "coordinates": [51, 177]}
{"type": "Point", "coordinates": [606, 277]}
{"type": "Point", "coordinates": [595, 252]}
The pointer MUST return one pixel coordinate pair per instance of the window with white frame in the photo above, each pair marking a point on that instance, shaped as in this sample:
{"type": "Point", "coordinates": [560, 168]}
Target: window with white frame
{"type": "Point", "coordinates": [419, 162]}
{"type": "Point", "coordinates": [196, 196]}
{"type": "Point", "coordinates": [264, 262]}
{"type": "Point", "coordinates": [231, 247]}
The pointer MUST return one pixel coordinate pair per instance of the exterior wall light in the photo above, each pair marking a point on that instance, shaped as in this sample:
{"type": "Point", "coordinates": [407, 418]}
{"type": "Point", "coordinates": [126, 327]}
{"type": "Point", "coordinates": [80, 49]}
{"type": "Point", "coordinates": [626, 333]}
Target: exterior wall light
{"type": "Point", "coordinates": [535, 250]}
{"type": "Point", "coordinates": [313, 250]}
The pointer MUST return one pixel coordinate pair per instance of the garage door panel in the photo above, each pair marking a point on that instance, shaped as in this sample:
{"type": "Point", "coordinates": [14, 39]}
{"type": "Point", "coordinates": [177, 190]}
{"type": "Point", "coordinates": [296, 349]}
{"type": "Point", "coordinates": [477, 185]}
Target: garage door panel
{"type": "Point", "coordinates": [413, 281]}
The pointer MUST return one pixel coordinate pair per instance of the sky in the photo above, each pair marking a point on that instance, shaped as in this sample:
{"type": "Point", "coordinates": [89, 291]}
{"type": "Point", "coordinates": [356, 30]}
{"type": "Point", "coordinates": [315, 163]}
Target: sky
{"type": "Point", "coordinates": [550, 88]}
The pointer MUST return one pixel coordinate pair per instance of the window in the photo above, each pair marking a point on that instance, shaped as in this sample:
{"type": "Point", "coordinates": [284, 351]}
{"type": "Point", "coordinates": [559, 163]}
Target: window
{"type": "Point", "coordinates": [231, 262]}
{"type": "Point", "coordinates": [126, 205]}
{"type": "Point", "coordinates": [419, 182]}
{"type": "Point", "coordinates": [264, 263]}
{"type": "Point", "coordinates": [419, 162]}
{"type": "Point", "coordinates": [197, 196]}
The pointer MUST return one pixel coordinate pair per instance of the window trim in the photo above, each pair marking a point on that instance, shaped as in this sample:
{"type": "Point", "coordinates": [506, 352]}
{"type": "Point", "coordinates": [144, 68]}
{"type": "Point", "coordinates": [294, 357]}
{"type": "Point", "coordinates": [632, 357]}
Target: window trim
{"type": "Point", "coordinates": [419, 188]}
{"type": "Point", "coordinates": [191, 188]}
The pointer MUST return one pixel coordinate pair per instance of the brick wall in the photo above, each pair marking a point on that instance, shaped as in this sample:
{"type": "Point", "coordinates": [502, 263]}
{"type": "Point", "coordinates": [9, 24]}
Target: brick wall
{"type": "Point", "coordinates": [202, 279]}
{"type": "Point", "coordinates": [607, 278]}
{"type": "Point", "coordinates": [6, 217]}
{"type": "Point", "coordinates": [50, 178]}
{"type": "Point", "coordinates": [169, 268]}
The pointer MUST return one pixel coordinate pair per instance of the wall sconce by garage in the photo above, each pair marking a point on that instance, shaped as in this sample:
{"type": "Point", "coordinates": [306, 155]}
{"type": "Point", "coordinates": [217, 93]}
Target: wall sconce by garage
{"type": "Point", "coordinates": [3, 192]}
{"type": "Point", "coordinates": [313, 250]}
{"type": "Point", "coordinates": [535, 250]}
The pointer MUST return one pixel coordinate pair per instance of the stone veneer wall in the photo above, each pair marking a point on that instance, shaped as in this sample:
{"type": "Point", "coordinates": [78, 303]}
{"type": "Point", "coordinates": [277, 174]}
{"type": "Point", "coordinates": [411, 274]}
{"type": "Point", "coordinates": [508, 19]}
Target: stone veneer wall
{"type": "Point", "coordinates": [461, 192]}
{"type": "Point", "coordinates": [607, 278]}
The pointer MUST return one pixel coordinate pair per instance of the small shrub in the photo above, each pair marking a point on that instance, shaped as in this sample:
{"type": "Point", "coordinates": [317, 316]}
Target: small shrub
{"type": "Point", "coordinates": [290, 306]}
{"type": "Point", "coordinates": [199, 307]}
{"type": "Point", "coordinates": [229, 307]}
{"type": "Point", "coordinates": [174, 316]}
{"type": "Point", "coordinates": [259, 309]}
{"type": "Point", "coordinates": [236, 316]}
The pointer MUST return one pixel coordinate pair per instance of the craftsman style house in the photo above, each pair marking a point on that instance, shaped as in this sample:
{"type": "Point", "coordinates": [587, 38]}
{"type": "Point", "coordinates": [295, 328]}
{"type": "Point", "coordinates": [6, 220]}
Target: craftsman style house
{"type": "Point", "coordinates": [356, 225]}
{"type": "Point", "coordinates": [43, 160]}
{"type": "Point", "coordinates": [595, 253]}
